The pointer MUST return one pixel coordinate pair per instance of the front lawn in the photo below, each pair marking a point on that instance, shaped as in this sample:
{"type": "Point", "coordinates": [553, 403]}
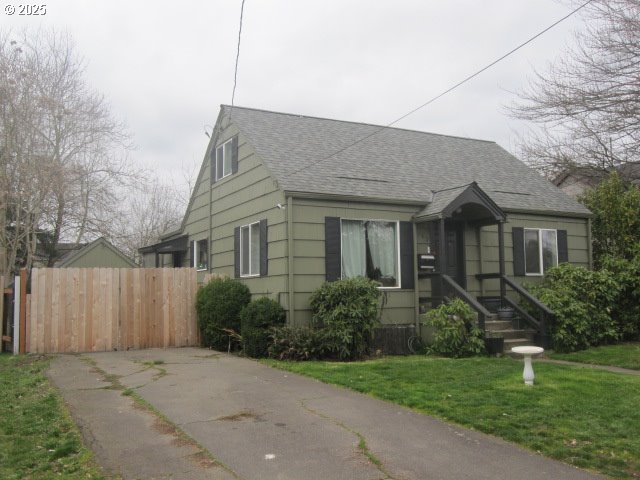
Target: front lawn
{"type": "Point", "coordinates": [624, 355]}
{"type": "Point", "coordinates": [38, 439]}
{"type": "Point", "coordinates": [583, 417]}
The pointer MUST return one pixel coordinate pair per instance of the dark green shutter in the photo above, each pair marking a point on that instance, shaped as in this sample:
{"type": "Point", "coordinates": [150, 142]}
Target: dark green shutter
{"type": "Point", "coordinates": [236, 251]}
{"type": "Point", "coordinates": [234, 154]}
{"type": "Point", "coordinates": [518, 251]}
{"type": "Point", "coordinates": [332, 258]}
{"type": "Point", "coordinates": [264, 258]}
{"type": "Point", "coordinates": [212, 156]}
{"type": "Point", "coordinates": [406, 255]}
{"type": "Point", "coordinates": [563, 248]}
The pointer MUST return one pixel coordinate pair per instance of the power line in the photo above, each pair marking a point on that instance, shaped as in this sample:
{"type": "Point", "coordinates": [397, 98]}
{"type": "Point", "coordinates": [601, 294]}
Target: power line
{"type": "Point", "coordinates": [428, 102]}
{"type": "Point", "coordinates": [235, 74]}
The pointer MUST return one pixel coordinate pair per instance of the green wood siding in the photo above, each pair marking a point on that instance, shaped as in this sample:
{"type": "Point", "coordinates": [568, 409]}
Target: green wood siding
{"type": "Point", "coordinates": [309, 262]}
{"type": "Point", "coordinates": [577, 241]}
{"type": "Point", "coordinates": [245, 197]}
{"type": "Point", "coordinates": [251, 195]}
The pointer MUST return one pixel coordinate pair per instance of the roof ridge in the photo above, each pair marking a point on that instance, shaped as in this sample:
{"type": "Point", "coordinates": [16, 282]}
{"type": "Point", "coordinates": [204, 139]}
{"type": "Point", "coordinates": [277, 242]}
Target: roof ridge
{"type": "Point", "coordinates": [453, 188]}
{"type": "Point", "coordinates": [357, 123]}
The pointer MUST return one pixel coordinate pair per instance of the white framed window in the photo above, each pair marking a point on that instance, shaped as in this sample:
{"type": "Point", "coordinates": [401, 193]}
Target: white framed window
{"type": "Point", "coordinates": [224, 155]}
{"type": "Point", "coordinates": [371, 249]}
{"type": "Point", "coordinates": [540, 250]}
{"type": "Point", "coordinates": [250, 250]}
{"type": "Point", "coordinates": [200, 260]}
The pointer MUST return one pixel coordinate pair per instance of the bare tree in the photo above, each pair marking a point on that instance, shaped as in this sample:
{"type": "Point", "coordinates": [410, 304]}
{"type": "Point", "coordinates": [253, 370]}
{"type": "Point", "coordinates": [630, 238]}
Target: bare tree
{"type": "Point", "coordinates": [154, 208]}
{"type": "Point", "coordinates": [62, 154]}
{"type": "Point", "coordinates": [587, 105]}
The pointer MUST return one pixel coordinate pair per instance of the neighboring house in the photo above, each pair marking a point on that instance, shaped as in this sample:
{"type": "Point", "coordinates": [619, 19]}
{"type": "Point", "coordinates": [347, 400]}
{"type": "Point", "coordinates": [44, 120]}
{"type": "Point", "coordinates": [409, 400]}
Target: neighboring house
{"type": "Point", "coordinates": [99, 253]}
{"type": "Point", "coordinates": [285, 202]}
{"type": "Point", "coordinates": [575, 181]}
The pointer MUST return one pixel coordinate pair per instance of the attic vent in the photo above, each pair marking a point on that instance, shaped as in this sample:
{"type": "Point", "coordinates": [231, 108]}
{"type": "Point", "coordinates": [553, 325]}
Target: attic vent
{"type": "Point", "coordinates": [363, 179]}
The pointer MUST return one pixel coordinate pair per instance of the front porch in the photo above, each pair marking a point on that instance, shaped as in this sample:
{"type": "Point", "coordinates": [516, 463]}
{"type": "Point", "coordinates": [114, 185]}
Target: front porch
{"type": "Point", "coordinates": [460, 246]}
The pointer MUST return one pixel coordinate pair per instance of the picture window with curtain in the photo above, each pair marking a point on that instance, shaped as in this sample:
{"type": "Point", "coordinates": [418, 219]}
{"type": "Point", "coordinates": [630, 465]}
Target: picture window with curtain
{"type": "Point", "coordinates": [250, 250]}
{"type": "Point", "coordinates": [224, 156]}
{"type": "Point", "coordinates": [541, 250]}
{"type": "Point", "coordinates": [201, 254]}
{"type": "Point", "coordinates": [370, 248]}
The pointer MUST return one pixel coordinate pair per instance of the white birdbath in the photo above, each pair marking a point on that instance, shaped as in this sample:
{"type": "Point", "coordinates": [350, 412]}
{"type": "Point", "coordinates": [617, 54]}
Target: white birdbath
{"type": "Point", "coordinates": [527, 352]}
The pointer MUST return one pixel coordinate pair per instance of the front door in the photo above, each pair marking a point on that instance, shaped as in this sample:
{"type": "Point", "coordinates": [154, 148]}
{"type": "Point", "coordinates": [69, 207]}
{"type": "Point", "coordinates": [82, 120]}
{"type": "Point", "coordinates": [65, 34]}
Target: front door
{"type": "Point", "coordinates": [454, 252]}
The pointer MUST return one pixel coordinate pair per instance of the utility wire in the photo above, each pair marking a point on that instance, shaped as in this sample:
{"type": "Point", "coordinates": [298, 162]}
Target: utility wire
{"type": "Point", "coordinates": [235, 74]}
{"type": "Point", "coordinates": [461, 82]}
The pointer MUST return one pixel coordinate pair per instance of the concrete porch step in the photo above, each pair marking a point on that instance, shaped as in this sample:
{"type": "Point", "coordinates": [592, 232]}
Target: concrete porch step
{"type": "Point", "coordinates": [509, 343]}
{"type": "Point", "coordinates": [497, 325]}
{"type": "Point", "coordinates": [510, 333]}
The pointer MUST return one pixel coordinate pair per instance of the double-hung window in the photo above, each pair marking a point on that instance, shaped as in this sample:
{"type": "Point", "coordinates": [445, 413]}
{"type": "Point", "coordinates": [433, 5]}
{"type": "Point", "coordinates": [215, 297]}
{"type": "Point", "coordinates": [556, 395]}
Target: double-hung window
{"type": "Point", "coordinates": [224, 156]}
{"type": "Point", "coordinates": [200, 250]}
{"type": "Point", "coordinates": [250, 250]}
{"type": "Point", "coordinates": [370, 248]}
{"type": "Point", "coordinates": [541, 250]}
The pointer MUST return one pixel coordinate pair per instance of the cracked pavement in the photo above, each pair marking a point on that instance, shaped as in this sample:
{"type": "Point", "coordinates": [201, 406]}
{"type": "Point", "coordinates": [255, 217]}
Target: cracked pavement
{"type": "Point", "coordinates": [192, 413]}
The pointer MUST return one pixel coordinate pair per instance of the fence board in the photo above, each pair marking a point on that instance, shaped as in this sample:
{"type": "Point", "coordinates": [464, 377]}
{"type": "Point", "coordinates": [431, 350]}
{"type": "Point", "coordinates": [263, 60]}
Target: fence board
{"type": "Point", "coordinates": [90, 309]}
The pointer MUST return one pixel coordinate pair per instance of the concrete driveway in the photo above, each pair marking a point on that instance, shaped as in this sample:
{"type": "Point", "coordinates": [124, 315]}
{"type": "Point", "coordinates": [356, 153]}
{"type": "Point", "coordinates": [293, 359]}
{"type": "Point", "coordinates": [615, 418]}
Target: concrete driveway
{"type": "Point", "coordinates": [198, 414]}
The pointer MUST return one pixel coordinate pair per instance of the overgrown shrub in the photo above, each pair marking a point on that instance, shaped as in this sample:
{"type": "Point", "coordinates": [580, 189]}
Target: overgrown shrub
{"type": "Point", "coordinates": [256, 320]}
{"type": "Point", "coordinates": [456, 333]}
{"type": "Point", "coordinates": [626, 308]}
{"type": "Point", "coordinates": [616, 221]}
{"type": "Point", "coordinates": [218, 305]}
{"type": "Point", "coordinates": [582, 301]}
{"type": "Point", "coordinates": [346, 311]}
{"type": "Point", "coordinates": [296, 343]}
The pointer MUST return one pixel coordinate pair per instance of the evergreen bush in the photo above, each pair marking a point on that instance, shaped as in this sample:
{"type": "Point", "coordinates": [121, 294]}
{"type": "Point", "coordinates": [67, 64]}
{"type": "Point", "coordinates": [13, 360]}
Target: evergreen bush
{"type": "Point", "coordinates": [296, 343]}
{"type": "Point", "coordinates": [456, 333]}
{"type": "Point", "coordinates": [346, 311]}
{"type": "Point", "coordinates": [582, 301]}
{"type": "Point", "coordinates": [626, 308]}
{"type": "Point", "coordinates": [218, 305]}
{"type": "Point", "coordinates": [256, 320]}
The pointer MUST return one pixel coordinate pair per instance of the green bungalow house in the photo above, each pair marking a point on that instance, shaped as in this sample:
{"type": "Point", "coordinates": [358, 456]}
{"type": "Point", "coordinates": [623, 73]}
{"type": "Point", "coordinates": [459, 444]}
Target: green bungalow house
{"type": "Point", "coordinates": [285, 202]}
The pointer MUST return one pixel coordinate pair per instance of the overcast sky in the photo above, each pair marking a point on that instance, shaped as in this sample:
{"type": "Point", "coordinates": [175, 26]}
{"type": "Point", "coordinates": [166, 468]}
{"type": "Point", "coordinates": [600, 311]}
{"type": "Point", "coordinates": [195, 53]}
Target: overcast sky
{"type": "Point", "coordinates": [166, 66]}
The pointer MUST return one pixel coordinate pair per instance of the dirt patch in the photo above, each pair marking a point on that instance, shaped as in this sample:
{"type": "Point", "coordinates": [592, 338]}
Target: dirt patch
{"type": "Point", "coordinates": [240, 416]}
{"type": "Point", "coordinates": [163, 427]}
{"type": "Point", "coordinates": [203, 460]}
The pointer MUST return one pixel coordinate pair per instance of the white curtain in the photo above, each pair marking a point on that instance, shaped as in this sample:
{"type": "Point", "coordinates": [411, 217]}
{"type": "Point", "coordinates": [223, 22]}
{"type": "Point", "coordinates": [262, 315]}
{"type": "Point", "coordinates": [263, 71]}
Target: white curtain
{"type": "Point", "coordinates": [354, 255]}
{"type": "Point", "coordinates": [382, 245]}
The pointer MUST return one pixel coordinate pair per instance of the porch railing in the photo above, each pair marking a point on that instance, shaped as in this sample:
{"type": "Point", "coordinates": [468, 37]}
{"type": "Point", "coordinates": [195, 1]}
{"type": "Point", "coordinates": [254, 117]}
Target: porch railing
{"type": "Point", "coordinates": [544, 314]}
{"type": "Point", "coordinates": [469, 299]}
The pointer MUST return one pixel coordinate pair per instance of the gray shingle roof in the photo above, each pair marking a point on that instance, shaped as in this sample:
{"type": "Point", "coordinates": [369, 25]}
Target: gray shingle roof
{"type": "Point", "coordinates": [393, 164]}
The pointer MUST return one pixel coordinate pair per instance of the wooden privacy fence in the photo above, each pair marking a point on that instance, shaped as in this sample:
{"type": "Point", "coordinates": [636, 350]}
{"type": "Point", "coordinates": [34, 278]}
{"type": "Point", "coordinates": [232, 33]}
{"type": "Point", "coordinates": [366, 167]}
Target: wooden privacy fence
{"type": "Point", "coordinates": [102, 309]}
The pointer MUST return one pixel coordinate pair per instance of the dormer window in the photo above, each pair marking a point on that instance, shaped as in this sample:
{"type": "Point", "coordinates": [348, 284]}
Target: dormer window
{"type": "Point", "coordinates": [224, 158]}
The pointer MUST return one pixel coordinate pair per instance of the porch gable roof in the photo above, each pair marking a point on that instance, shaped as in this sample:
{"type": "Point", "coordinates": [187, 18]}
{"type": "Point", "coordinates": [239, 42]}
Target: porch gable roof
{"type": "Point", "coordinates": [445, 203]}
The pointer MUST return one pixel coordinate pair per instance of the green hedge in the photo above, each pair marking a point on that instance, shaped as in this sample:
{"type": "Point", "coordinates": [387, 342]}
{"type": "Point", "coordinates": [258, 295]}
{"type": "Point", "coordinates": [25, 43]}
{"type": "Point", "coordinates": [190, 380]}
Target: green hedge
{"type": "Point", "coordinates": [218, 305]}
{"type": "Point", "coordinates": [346, 311]}
{"type": "Point", "coordinates": [256, 321]}
{"type": "Point", "coordinates": [456, 333]}
{"type": "Point", "coordinates": [582, 301]}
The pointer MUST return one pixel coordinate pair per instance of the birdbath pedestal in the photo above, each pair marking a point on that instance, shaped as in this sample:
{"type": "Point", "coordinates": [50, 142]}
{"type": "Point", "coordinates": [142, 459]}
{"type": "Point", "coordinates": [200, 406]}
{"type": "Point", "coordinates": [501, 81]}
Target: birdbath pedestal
{"type": "Point", "coordinates": [527, 352]}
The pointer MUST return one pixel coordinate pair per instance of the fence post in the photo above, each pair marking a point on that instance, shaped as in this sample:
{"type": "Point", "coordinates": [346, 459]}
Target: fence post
{"type": "Point", "coordinates": [16, 315]}
{"type": "Point", "coordinates": [23, 310]}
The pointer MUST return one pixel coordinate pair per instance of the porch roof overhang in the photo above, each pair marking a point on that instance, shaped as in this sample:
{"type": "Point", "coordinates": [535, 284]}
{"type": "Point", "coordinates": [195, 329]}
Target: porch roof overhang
{"type": "Point", "coordinates": [468, 202]}
{"type": "Point", "coordinates": [179, 244]}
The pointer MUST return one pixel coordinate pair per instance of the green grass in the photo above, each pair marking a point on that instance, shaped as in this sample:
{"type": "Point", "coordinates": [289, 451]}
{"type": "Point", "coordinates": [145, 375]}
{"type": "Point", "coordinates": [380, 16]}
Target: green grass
{"type": "Point", "coordinates": [38, 439]}
{"type": "Point", "coordinates": [624, 355]}
{"type": "Point", "coordinates": [587, 418]}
